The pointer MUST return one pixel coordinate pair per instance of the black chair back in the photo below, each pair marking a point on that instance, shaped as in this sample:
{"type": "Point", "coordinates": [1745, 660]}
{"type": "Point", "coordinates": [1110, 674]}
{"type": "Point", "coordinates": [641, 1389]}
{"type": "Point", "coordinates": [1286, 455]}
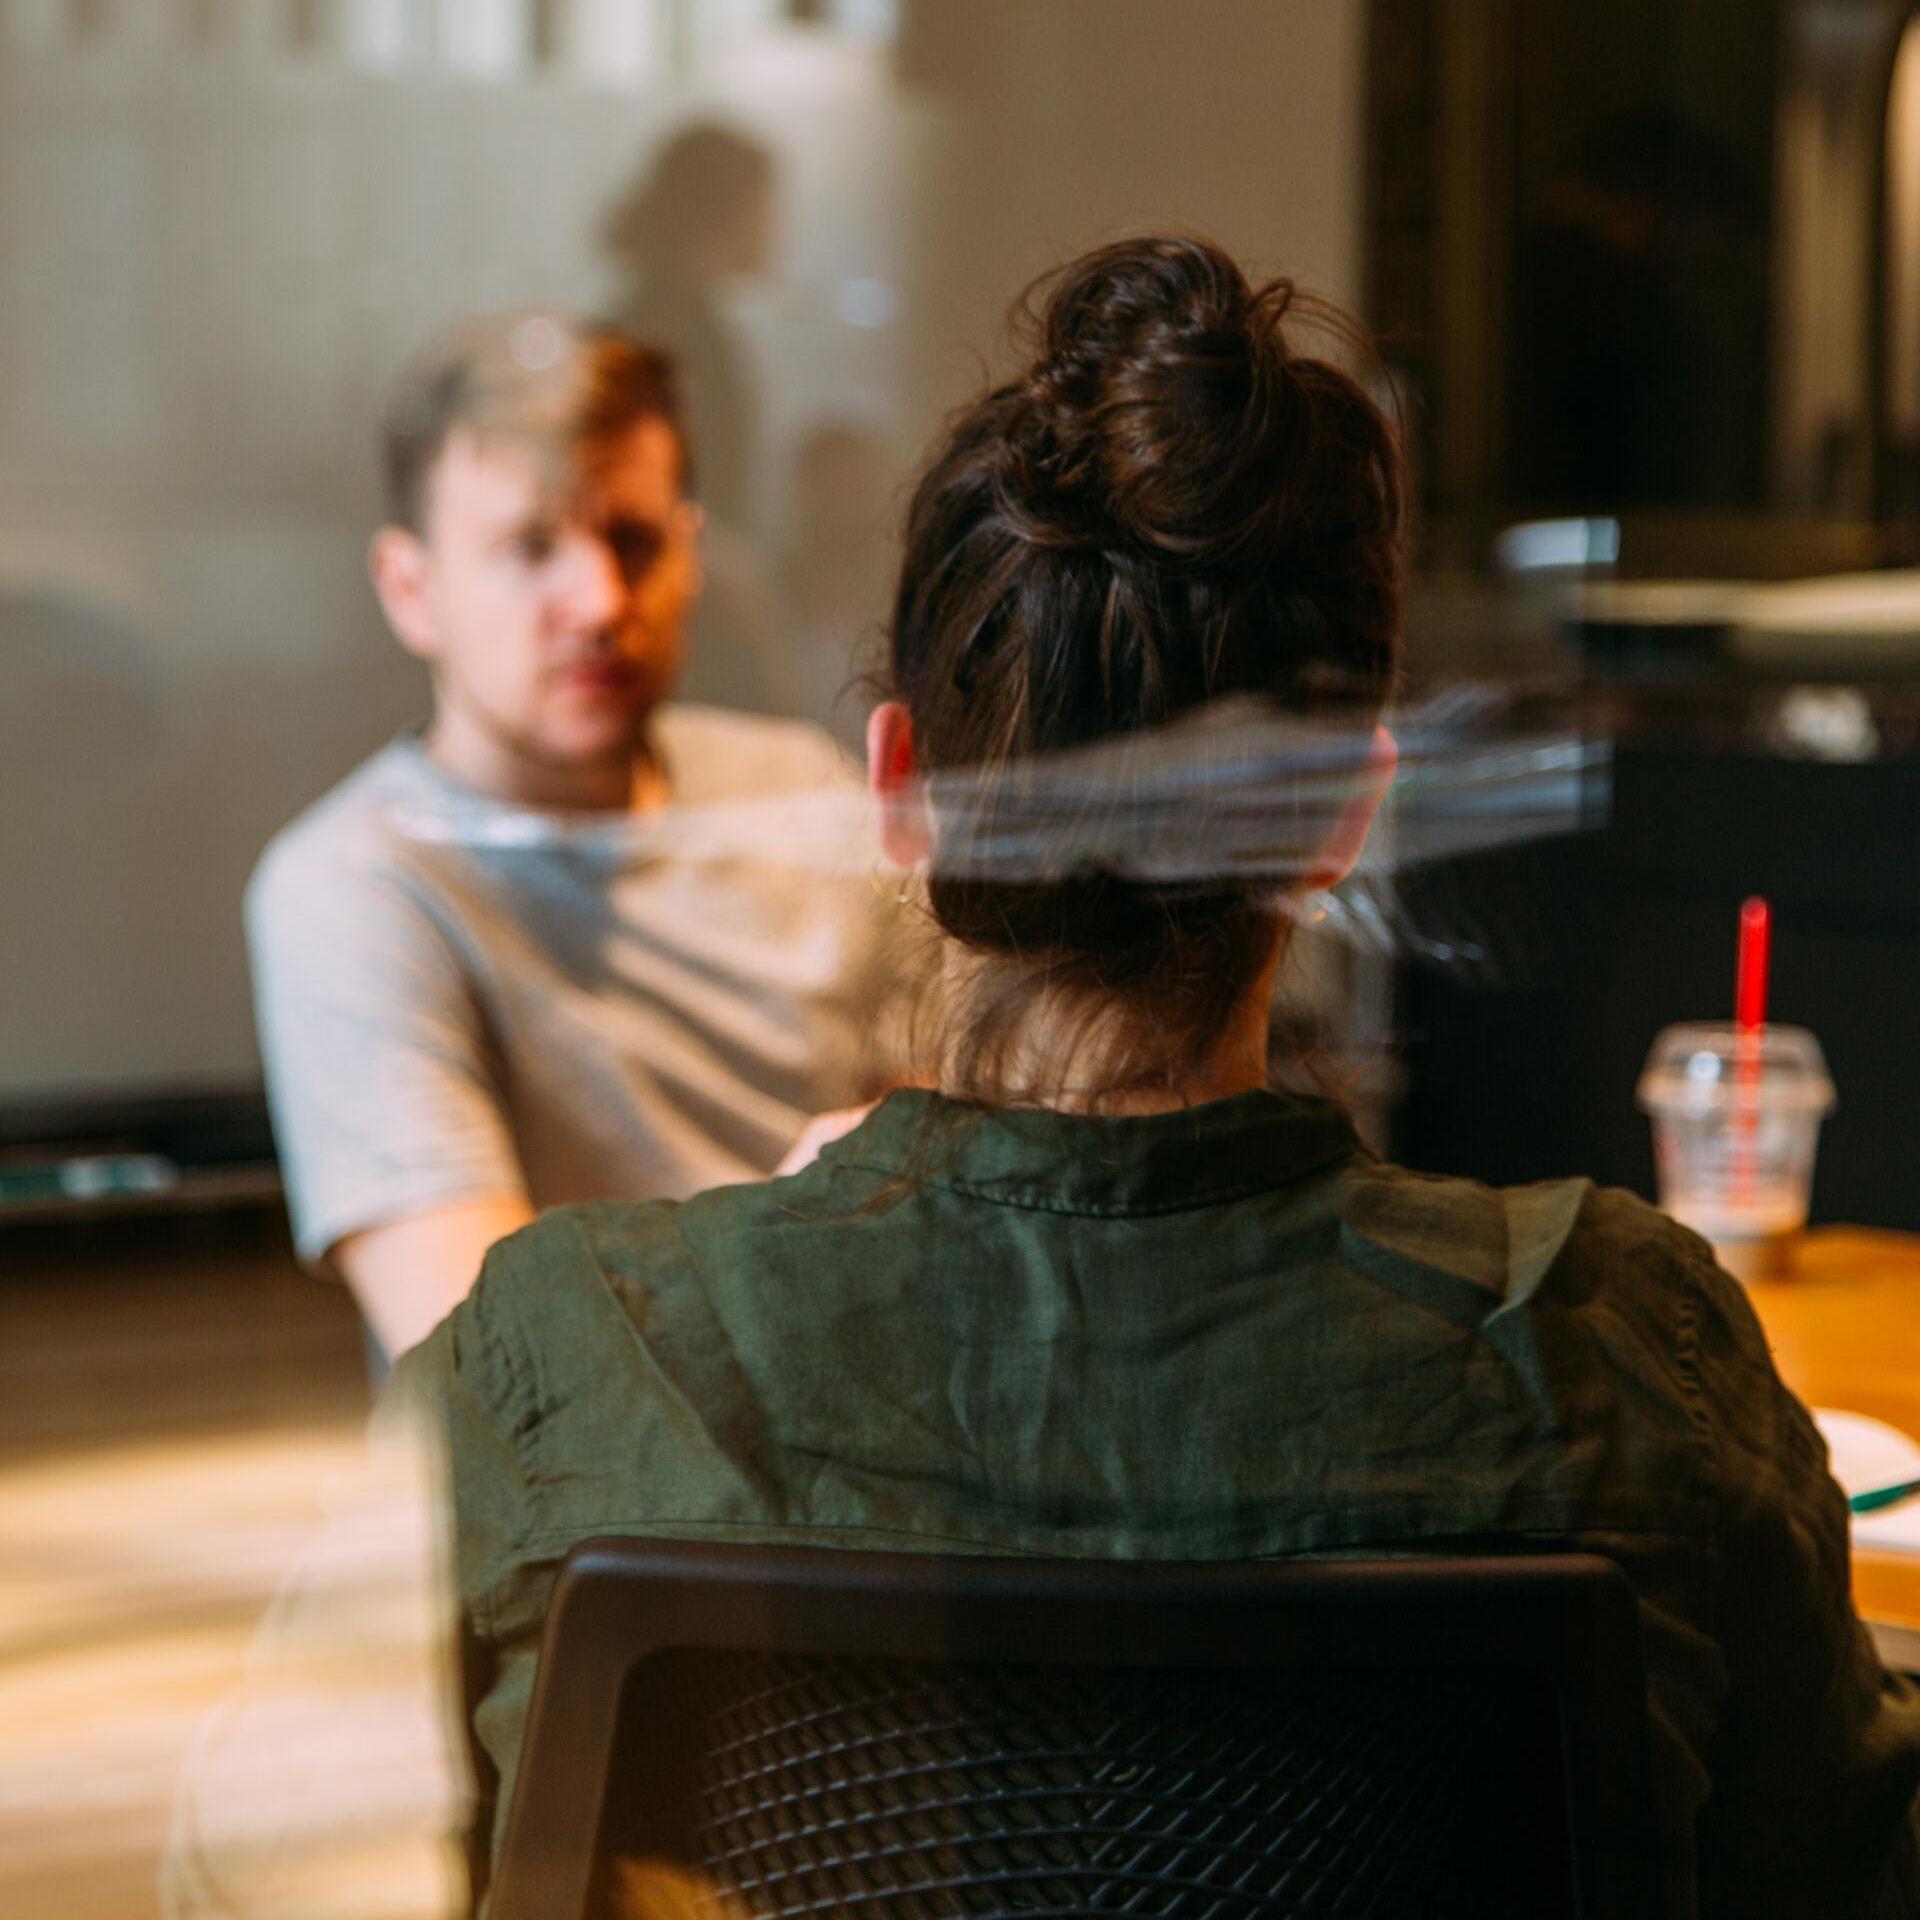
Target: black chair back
{"type": "Point", "coordinates": [746, 1731]}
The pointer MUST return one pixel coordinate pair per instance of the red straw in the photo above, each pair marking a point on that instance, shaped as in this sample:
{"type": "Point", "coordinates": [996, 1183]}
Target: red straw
{"type": "Point", "coordinates": [1750, 973]}
{"type": "Point", "coordinates": [1749, 1016]}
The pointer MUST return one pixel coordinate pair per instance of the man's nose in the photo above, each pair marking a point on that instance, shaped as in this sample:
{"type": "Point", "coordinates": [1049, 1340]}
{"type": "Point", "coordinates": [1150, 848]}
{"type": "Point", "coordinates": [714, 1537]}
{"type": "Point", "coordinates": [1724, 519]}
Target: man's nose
{"type": "Point", "coordinates": [595, 584]}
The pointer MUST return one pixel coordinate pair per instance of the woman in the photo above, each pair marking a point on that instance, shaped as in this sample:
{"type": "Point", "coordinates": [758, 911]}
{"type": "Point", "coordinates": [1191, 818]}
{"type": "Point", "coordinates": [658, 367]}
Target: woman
{"type": "Point", "coordinates": [1103, 1293]}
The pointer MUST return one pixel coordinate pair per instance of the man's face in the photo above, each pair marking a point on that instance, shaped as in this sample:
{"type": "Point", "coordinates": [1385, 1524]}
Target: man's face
{"type": "Point", "coordinates": [550, 597]}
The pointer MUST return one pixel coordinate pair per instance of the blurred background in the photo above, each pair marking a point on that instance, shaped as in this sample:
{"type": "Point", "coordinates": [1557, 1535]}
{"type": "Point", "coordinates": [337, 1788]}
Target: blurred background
{"type": "Point", "coordinates": [1647, 282]}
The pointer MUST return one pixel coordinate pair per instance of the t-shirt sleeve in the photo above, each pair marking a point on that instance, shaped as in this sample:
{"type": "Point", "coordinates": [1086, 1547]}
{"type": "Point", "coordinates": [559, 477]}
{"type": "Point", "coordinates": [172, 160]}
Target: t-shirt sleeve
{"type": "Point", "coordinates": [385, 1095]}
{"type": "Point", "coordinates": [1817, 1760]}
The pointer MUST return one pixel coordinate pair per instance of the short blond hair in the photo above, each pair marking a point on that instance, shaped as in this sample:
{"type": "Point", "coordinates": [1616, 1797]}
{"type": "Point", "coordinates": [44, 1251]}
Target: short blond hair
{"type": "Point", "coordinates": [555, 380]}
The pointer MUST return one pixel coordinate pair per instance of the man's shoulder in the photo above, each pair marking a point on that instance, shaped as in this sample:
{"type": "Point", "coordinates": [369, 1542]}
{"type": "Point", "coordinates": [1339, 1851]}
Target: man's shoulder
{"type": "Point", "coordinates": [343, 843]}
{"type": "Point", "coordinates": [342, 863]}
{"type": "Point", "coordinates": [719, 753]}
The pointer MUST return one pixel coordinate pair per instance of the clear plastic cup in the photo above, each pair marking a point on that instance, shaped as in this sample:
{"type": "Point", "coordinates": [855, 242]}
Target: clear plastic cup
{"type": "Point", "coordinates": [1736, 1115]}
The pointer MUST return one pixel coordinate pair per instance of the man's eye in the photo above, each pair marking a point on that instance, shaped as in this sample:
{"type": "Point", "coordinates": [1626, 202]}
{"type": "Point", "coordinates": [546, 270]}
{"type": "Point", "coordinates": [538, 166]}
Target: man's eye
{"type": "Point", "coordinates": [637, 547]}
{"type": "Point", "coordinates": [535, 547]}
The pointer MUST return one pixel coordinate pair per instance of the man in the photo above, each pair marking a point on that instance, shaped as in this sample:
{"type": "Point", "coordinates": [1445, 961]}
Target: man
{"type": "Point", "coordinates": [492, 972]}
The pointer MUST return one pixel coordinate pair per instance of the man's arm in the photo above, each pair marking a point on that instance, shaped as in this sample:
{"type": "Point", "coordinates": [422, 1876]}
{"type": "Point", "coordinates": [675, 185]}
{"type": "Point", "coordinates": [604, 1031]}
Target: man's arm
{"type": "Point", "coordinates": [408, 1275]}
{"type": "Point", "coordinates": [822, 1130]}
{"type": "Point", "coordinates": [396, 1147]}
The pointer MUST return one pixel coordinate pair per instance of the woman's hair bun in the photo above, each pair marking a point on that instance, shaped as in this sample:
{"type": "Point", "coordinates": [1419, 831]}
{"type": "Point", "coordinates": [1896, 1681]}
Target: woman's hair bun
{"type": "Point", "coordinates": [1169, 508]}
{"type": "Point", "coordinates": [1161, 406]}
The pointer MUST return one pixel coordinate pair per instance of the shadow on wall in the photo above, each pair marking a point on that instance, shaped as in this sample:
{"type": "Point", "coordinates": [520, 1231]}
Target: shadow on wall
{"type": "Point", "coordinates": [831, 575]}
{"type": "Point", "coordinates": [698, 218]}
{"type": "Point", "coordinates": [699, 215]}
{"type": "Point", "coordinates": [145, 758]}
{"type": "Point", "coordinates": [76, 676]}
{"type": "Point", "coordinates": [84, 775]}
{"type": "Point", "coordinates": [780, 622]}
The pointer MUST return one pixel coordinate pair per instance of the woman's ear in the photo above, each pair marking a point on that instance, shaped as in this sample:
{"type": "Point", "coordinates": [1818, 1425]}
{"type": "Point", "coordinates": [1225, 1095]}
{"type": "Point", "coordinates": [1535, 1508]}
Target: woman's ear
{"type": "Point", "coordinates": [902, 819]}
{"type": "Point", "coordinates": [1355, 818]}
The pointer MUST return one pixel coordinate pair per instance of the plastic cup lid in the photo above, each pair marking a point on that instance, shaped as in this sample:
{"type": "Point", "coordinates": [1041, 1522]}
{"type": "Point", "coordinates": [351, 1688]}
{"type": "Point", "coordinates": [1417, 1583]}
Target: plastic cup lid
{"type": "Point", "coordinates": [1695, 1068]}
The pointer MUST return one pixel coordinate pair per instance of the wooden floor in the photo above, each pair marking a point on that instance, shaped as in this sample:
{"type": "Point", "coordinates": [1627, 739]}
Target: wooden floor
{"type": "Point", "coordinates": [173, 1394]}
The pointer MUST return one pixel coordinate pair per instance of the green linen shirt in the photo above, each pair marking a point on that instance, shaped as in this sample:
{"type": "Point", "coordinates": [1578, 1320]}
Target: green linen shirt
{"type": "Point", "coordinates": [1221, 1333]}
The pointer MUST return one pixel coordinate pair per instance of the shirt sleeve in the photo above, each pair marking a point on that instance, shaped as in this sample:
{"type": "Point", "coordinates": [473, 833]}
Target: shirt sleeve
{"type": "Point", "coordinates": [380, 1073]}
{"type": "Point", "coordinates": [1816, 1764]}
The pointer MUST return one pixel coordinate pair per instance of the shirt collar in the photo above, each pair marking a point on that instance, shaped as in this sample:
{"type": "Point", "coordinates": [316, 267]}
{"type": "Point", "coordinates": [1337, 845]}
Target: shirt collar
{"type": "Point", "coordinates": [430, 804]}
{"type": "Point", "coordinates": [1070, 1163]}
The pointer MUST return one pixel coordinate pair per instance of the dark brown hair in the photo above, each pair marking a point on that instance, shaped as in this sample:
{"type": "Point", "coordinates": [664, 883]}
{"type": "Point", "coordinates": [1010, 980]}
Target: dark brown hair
{"type": "Point", "coordinates": [554, 380]}
{"type": "Point", "coordinates": [1170, 506]}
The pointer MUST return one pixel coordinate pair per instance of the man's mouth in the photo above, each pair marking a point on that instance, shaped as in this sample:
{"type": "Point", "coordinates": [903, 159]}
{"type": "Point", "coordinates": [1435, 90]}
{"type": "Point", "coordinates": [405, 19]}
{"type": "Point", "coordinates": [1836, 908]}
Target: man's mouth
{"type": "Point", "coordinates": [609, 679]}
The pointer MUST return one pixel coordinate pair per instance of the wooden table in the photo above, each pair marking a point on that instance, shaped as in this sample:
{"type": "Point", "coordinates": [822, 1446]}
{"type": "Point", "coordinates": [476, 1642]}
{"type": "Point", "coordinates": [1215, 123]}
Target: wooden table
{"type": "Point", "coordinates": [1845, 1332]}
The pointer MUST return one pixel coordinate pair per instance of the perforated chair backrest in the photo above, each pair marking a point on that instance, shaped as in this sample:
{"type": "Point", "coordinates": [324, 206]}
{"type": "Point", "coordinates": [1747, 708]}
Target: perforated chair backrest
{"type": "Point", "coordinates": [782, 1731]}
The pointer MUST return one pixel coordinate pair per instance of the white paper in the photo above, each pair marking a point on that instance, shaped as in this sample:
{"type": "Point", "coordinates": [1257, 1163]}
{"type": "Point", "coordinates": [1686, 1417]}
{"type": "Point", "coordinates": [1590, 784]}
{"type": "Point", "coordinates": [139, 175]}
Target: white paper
{"type": "Point", "coordinates": [1865, 1454]}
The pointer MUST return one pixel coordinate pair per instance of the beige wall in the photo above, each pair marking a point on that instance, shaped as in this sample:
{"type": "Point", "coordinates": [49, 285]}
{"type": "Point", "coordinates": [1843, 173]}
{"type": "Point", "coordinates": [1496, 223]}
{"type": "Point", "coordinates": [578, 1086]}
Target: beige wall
{"type": "Point", "coordinates": [222, 222]}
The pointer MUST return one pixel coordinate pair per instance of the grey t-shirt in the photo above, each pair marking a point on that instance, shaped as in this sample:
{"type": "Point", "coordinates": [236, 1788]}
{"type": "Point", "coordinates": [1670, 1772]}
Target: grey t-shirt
{"type": "Point", "coordinates": [460, 998]}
